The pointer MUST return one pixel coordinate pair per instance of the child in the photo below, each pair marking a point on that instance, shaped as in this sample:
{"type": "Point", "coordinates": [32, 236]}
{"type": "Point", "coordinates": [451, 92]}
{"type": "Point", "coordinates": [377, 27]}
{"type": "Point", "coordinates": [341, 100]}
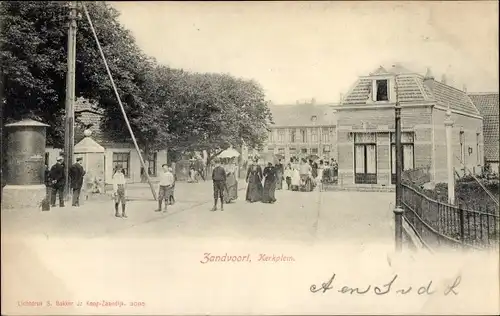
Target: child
{"type": "Point", "coordinates": [119, 190]}
{"type": "Point", "coordinates": [171, 199]}
{"type": "Point", "coordinates": [319, 178]}
{"type": "Point", "coordinates": [166, 186]}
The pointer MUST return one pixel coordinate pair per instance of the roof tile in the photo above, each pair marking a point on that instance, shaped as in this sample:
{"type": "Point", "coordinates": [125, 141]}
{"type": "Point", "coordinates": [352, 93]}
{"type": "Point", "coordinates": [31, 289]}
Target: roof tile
{"type": "Point", "coordinates": [488, 105]}
{"type": "Point", "coordinates": [413, 87]}
{"type": "Point", "coordinates": [301, 115]}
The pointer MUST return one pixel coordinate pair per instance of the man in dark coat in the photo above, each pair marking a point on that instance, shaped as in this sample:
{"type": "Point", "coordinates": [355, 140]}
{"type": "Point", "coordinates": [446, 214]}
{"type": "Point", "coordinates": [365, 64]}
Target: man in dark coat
{"type": "Point", "coordinates": [57, 181]}
{"type": "Point", "coordinates": [76, 174]}
{"type": "Point", "coordinates": [219, 183]}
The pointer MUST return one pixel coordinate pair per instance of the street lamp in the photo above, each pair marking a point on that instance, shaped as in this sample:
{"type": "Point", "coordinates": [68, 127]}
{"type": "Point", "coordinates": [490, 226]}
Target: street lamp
{"type": "Point", "coordinates": [398, 210]}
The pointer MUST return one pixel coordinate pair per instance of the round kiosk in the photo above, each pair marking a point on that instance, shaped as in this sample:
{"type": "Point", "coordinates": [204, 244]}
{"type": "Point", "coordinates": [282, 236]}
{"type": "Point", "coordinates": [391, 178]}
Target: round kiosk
{"type": "Point", "coordinates": [25, 165]}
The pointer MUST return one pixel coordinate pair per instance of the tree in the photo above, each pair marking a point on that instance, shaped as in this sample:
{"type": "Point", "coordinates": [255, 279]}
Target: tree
{"type": "Point", "coordinates": [208, 112]}
{"type": "Point", "coordinates": [166, 107]}
{"type": "Point", "coordinates": [33, 59]}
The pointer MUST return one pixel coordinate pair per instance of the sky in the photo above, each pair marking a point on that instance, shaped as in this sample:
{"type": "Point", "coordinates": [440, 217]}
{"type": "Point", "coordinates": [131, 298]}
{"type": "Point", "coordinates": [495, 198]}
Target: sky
{"type": "Point", "coordinates": [304, 50]}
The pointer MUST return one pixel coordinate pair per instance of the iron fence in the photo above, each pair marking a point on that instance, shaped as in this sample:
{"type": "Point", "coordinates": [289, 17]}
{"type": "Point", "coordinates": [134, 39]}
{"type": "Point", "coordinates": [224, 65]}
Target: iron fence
{"type": "Point", "coordinates": [439, 223]}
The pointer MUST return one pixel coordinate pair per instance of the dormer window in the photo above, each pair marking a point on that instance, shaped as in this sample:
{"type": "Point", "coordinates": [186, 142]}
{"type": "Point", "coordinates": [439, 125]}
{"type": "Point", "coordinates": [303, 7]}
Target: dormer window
{"type": "Point", "coordinates": [314, 118]}
{"type": "Point", "coordinates": [382, 87]}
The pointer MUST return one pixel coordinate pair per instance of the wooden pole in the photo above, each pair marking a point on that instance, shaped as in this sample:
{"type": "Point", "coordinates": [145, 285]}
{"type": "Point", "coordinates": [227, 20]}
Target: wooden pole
{"type": "Point", "coordinates": [143, 164]}
{"type": "Point", "coordinates": [69, 129]}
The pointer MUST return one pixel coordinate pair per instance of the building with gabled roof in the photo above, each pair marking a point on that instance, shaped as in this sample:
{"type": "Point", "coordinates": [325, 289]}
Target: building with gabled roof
{"type": "Point", "coordinates": [301, 130]}
{"type": "Point", "coordinates": [366, 127]}
{"type": "Point", "coordinates": [116, 151]}
{"type": "Point", "coordinates": [488, 105]}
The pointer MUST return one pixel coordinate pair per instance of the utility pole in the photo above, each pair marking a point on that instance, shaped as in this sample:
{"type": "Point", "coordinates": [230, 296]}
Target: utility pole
{"type": "Point", "coordinates": [69, 128]}
{"type": "Point", "coordinates": [398, 211]}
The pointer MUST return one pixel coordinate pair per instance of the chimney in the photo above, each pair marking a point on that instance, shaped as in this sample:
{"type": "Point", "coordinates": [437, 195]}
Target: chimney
{"type": "Point", "coordinates": [428, 75]}
{"type": "Point", "coordinates": [443, 79]}
{"type": "Point", "coordinates": [341, 97]}
{"type": "Point", "coordinates": [464, 88]}
{"type": "Point", "coordinates": [313, 101]}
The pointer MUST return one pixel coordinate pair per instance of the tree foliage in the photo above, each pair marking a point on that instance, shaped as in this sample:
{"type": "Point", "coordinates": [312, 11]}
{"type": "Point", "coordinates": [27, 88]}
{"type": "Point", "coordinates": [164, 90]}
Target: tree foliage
{"type": "Point", "coordinates": [166, 107]}
{"type": "Point", "coordinates": [210, 112]}
{"type": "Point", "coordinates": [33, 59]}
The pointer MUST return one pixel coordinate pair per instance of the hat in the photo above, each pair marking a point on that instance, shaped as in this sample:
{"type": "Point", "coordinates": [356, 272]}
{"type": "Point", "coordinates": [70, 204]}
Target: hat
{"type": "Point", "coordinates": [59, 158]}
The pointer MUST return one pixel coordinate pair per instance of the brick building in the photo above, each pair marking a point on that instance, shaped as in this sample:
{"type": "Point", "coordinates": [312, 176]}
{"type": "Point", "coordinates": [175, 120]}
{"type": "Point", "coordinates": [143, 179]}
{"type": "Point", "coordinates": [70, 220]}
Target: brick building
{"type": "Point", "coordinates": [301, 130]}
{"type": "Point", "coordinates": [365, 127]}
{"type": "Point", "coordinates": [488, 104]}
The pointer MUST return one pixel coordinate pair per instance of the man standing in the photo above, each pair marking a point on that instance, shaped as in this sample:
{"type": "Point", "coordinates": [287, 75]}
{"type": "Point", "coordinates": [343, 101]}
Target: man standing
{"type": "Point", "coordinates": [219, 183]}
{"type": "Point", "coordinates": [57, 181]}
{"type": "Point", "coordinates": [166, 186]}
{"type": "Point", "coordinates": [76, 174]}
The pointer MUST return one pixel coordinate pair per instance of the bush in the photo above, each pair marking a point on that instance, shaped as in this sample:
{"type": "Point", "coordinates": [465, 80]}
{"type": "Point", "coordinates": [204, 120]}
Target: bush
{"type": "Point", "coordinates": [468, 193]}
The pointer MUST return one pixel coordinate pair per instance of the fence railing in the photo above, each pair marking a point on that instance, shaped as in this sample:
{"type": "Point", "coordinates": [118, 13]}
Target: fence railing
{"type": "Point", "coordinates": [442, 224]}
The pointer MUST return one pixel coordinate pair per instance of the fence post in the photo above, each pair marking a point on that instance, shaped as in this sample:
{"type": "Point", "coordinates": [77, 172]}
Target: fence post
{"type": "Point", "coordinates": [462, 226]}
{"type": "Point", "coordinates": [398, 218]}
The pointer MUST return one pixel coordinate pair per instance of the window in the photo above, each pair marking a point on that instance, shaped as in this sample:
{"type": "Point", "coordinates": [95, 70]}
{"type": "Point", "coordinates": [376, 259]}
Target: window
{"type": "Point", "coordinates": [365, 158]}
{"type": "Point", "coordinates": [152, 159]}
{"type": "Point", "coordinates": [314, 135]}
{"type": "Point", "coordinates": [326, 149]}
{"type": "Point", "coordinates": [303, 136]}
{"type": "Point", "coordinates": [292, 150]}
{"type": "Point", "coordinates": [293, 137]}
{"type": "Point", "coordinates": [326, 135]}
{"type": "Point", "coordinates": [281, 151]}
{"type": "Point", "coordinates": [382, 90]}
{"type": "Point", "coordinates": [271, 136]}
{"type": "Point", "coordinates": [303, 151]}
{"type": "Point", "coordinates": [314, 151]}
{"type": "Point", "coordinates": [314, 118]}
{"type": "Point", "coordinates": [122, 159]}
{"type": "Point", "coordinates": [270, 149]}
{"type": "Point", "coordinates": [478, 152]}
{"type": "Point", "coordinates": [407, 140]}
{"type": "Point", "coordinates": [281, 136]}
{"type": "Point", "coordinates": [462, 147]}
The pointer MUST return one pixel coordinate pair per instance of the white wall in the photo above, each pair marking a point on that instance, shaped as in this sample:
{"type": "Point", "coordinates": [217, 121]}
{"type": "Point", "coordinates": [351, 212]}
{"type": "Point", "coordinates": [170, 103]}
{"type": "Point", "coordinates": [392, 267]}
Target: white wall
{"type": "Point", "coordinates": [135, 163]}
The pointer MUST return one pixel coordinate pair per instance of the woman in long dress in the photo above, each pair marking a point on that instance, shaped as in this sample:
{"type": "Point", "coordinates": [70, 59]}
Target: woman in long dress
{"type": "Point", "coordinates": [269, 184]}
{"type": "Point", "coordinates": [279, 175]}
{"type": "Point", "coordinates": [231, 193]}
{"type": "Point", "coordinates": [254, 180]}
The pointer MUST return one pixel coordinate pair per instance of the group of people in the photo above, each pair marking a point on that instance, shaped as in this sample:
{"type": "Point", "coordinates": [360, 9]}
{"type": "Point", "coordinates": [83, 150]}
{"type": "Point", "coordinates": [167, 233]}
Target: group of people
{"type": "Point", "coordinates": [55, 181]}
{"type": "Point", "coordinates": [309, 174]}
{"type": "Point", "coordinates": [262, 184]}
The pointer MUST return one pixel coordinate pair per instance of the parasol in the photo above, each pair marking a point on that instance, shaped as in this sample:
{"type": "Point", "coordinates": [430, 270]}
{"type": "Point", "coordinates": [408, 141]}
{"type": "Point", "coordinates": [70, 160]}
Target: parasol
{"type": "Point", "coordinates": [229, 153]}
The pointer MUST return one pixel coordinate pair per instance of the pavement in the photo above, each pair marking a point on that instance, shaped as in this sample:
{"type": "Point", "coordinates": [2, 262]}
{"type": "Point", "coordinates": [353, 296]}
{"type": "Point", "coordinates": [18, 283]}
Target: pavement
{"type": "Point", "coordinates": [157, 264]}
{"type": "Point", "coordinates": [361, 217]}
